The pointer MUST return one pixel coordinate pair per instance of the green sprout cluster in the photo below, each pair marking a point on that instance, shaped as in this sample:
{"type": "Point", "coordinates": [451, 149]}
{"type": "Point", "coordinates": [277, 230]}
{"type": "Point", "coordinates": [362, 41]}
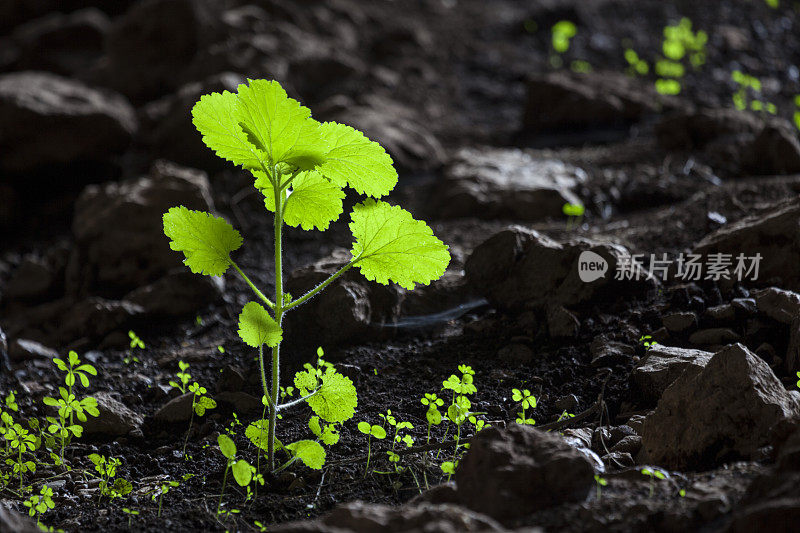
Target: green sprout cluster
{"type": "Point", "coordinates": [748, 94]}
{"type": "Point", "coordinates": [680, 42]}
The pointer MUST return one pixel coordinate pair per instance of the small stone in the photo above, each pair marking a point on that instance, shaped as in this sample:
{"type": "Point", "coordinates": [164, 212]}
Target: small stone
{"type": "Point", "coordinates": [516, 353]}
{"type": "Point", "coordinates": [561, 323]}
{"type": "Point", "coordinates": [714, 337]}
{"type": "Point", "coordinates": [176, 410]}
{"type": "Point", "coordinates": [27, 350]}
{"type": "Point", "coordinates": [662, 365]}
{"type": "Point", "coordinates": [679, 322]}
{"type": "Point", "coordinates": [778, 304]}
{"type": "Point", "coordinates": [114, 420]}
{"type": "Point", "coordinates": [617, 460]}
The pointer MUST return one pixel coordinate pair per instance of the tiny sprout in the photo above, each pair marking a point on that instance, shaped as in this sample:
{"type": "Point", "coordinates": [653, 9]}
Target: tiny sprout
{"type": "Point", "coordinates": [562, 32]}
{"type": "Point", "coordinates": [682, 493]}
{"type": "Point", "coordinates": [371, 431]}
{"type": "Point", "coordinates": [131, 513]}
{"type": "Point", "coordinates": [528, 401]}
{"type": "Point", "coordinates": [648, 342]}
{"type": "Point", "coordinates": [221, 349]}
{"type": "Point", "coordinates": [574, 214]}
{"type": "Point", "coordinates": [653, 474]}
{"type": "Point", "coordinates": [600, 483]}
{"type": "Point", "coordinates": [449, 468]}
{"type": "Point", "coordinates": [798, 381]}
{"type": "Point", "coordinates": [38, 504]}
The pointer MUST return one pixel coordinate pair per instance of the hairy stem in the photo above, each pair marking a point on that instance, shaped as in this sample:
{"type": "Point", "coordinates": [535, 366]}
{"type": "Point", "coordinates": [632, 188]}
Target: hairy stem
{"type": "Point", "coordinates": [316, 290]}
{"type": "Point", "coordinates": [252, 286]}
{"type": "Point", "coordinates": [276, 351]}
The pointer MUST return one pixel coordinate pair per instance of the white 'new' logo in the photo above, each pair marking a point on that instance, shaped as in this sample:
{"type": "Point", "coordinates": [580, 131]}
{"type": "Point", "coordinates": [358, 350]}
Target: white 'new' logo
{"type": "Point", "coordinates": [591, 266]}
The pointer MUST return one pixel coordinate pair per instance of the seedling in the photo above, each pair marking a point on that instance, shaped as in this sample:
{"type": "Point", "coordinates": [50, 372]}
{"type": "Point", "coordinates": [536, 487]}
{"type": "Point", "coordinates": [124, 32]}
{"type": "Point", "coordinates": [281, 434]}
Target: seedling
{"type": "Point", "coordinates": [22, 441]}
{"type": "Point", "coordinates": [242, 471]}
{"type": "Point", "coordinates": [648, 342]}
{"type": "Point", "coordinates": [38, 504]}
{"type": "Point", "coordinates": [162, 491]}
{"type": "Point", "coordinates": [748, 94]}
{"type": "Point", "coordinates": [797, 111]}
{"type": "Point", "coordinates": [68, 405]}
{"type": "Point", "coordinates": [449, 468]}
{"type": "Point", "coordinates": [527, 401]}
{"type": "Point", "coordinates": [679, 42]}
{"type": "Point", "coordinates": [798, 381]}
{"type": "Point", "coordinates": [561, 34]}
{"type": "Point", "coordinates": [200, 403]}
{"type": "Point", "coordinates": [301, 167]}
{"type": "Point", "coordinates": [433, 415]}
{"type": "Point", "coordinates": [371, 431]}
{"type": "Point", "coordinates": [135, 344]}
{"type": "Point", "coordinates": [131, 513]}
{"type": "Point", "coordinates": [599, 484]}
{"type": "Point", "coordinates": [636, 65]}
{"type": "Point", "coordinates": [106, 469]}
{"type": "Point", "coordinates": [574, 214]}
{"type": "Point", "coordinates": [653, 474]}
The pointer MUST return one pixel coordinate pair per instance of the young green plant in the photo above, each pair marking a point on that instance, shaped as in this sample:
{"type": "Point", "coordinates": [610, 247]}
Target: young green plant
{"type": "Point", "coordinates": [371, 430]}
{"type": "Point", "coordinates": [301, 167]}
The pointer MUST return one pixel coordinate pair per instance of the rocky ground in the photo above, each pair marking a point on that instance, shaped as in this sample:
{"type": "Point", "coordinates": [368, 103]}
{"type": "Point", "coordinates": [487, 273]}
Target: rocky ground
{"type": "Point", "coordinates": [693, 379]}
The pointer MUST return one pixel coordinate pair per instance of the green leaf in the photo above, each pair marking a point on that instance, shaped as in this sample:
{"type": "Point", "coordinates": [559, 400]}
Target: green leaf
{"type": "Point", "coordinates": [364, 427]}
{"type": "Point", "coordinates": [258, 433]}
{"type": "Point", "coordinates": [204, 239]}
{"type": "Point", "coordinates": [280, 125]}
{"type": "Point", "coordinates": [242, 472]}
{"type": "Point", "coordinates": [391, 245]}
{"type": "Point", "coordinates": [314, 202]}
{"type": "Point", "coordinates": [226, 446]}
{"type": "Point", "coordinates": [214, 116]}
{"type": "Point", "coordinates": [257, 327]}
{"type": "Point", "coordinates": [378, 432]}
{"type": "Point", "coordinates": [336, 400]}
{"type": "Point", "coordinates": [356, 161]}
{"type": "Point", "coordinates": [310, 452]}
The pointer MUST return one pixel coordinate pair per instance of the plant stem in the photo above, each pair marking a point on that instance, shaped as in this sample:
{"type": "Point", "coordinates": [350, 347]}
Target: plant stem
{"type": "Point", "coordinates": [191, 419]}
{"type": "Point", "coordinates": [316, 290]}
{"type": "Point", "coordinates": [369, 454]}
{"type": "Point", "coordinates": [252, 286]}
{"type": "Point", "coordinates": [224, 482]}
{"type": "Point", "coordinates": [160, 499]}
{"type": "Point", "coordinates": [276, 351]}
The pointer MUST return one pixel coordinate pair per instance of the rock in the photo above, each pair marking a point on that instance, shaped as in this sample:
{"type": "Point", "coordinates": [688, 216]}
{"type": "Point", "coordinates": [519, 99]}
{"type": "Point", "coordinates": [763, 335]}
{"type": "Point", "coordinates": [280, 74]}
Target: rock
{"type": "Point", "coordinates": [778, 516]}
{"type": "Point", "coordinates": [793, 348]}
{"type": "Point", "coordinates": [503, 473]}
{"type": "Point", "coordinates": [120, 242]}
{"type": "Point", "coordinates": [518, 267]}
{"type": "Point", "coordinates": [349, 308]}
{"type": "Point", "coordinates": [630, 444]}
{"type": "Point", "coordinates": [725, 313]}
{"type": "Point", "coordinates": [561, 323]}
{"type": "Point", "coordinates": [142, 70]}
{"type": "Point", "coordinates": [359, 517]}
{"type": "Point", "coordinates": [505, 183]}
{"type": "Point", "coordinates": [636, 422]}
{"type": "Point", "coordinates": [27, 350]}
{"type": "Point", "coordinates": [606, 352]}
{"type": "Point", "coordinates": [775, 150]}
{"type": "Point", "coordinates": [618, 460]}
{"type": "Point", "coordinates": [322, 75]}
{"type": "Point", "coordinates": [243, 404]}
{"type": "Point", "coordinates": [169, 131]}
{"type": "Point", "coordinates": [679, 322]}
{"type": "Point", "coordinates": [31, 279]}
{"type": "Point", "coordinates": [176, 410]}
{"type": "Point", "coordinates": [714, 336]}
{"type": "Point", "coordinates": [662, 365]}
{"type": "Point", "coordinates": [775, 234]}
{"type": "Point", "coordinates": [61, 43]}
{"type": "Point", "coordinates": [11, 521]}
{"type": "Point", "coordinates": [515, 353]}
{"type": "Point", "coordinates": [49, 120]}
{"type": "Point", "coordinates": [114, 420]}
{"type": "Point", "coordinates": [405, 135]}
{"type": "Point", "coordinates": [697, 129]}
{"type": "Point", "coordinates": [177, 294]}
{"type": "Point", "coordinates": [778, 304]}
{"type": "Point", "coordinates": [562, 100]}
{"type": "Point", "coordinates": [726, 410]}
